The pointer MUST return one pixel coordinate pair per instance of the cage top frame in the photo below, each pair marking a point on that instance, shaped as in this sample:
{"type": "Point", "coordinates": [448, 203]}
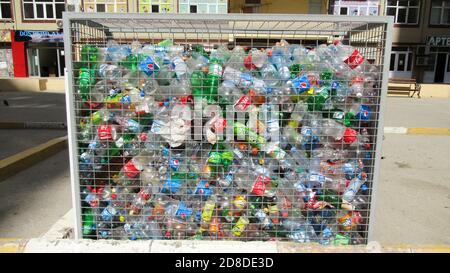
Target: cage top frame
{"type": "Point", "coordinates": [225, 23]}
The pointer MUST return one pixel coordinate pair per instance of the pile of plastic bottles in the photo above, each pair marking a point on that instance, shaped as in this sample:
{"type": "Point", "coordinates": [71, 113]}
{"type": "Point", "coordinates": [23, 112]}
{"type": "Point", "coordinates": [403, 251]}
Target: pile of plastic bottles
{"type": "Point", "coordinates": [156, 159]}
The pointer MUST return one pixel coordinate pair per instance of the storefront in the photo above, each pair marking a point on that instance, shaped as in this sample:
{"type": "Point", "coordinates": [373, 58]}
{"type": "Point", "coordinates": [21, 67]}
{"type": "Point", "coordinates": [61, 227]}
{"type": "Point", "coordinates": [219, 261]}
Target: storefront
{"type": "Point", "coordinates": [437, 58]}
{"type": "Point", "coordinates": [6, 61]}
{"type": "Point", "coordinates": [44, 52]}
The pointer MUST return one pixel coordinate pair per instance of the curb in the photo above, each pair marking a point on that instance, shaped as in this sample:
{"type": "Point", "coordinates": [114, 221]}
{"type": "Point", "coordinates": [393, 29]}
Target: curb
{"type": "Point", "coordinates": [33, 125]}
{"type": "Point", "coordinates": [22, 160]}
{"type": "Point", "coordinates": [12, 245]}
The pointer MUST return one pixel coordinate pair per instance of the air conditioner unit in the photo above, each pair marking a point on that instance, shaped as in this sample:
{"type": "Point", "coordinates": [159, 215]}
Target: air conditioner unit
{"type": "Point", "coordinates": [422, 50]}
{"type": "Point", "coordinates": [59, 23]}
{"type": "Point", "coordinates": [251, 3]}
{"type": "Point", "coordinates": [421, 61]}
{"type": "Point", "coordinates": [70, 8]}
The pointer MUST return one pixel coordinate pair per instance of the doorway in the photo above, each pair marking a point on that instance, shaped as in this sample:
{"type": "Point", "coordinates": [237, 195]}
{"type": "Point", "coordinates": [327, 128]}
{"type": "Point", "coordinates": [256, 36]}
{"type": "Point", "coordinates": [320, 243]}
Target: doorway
{"type": "Point", "coordinates": [46, 62]}
{"type": "Point", "coordinates": [441, 63]}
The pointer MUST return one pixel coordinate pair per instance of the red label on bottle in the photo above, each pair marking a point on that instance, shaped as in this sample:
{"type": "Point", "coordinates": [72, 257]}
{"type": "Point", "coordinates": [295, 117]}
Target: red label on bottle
{"type": "Point", "coordinates": [130, 170]}
{"type": "Point", "coordinates": [105, 132]}
{"type": "Point", "coordinates": [354, 59]}
{"type": "Point", "coordinates": [259, 187]}
{"type": "Point", "coordinates": [243, 103]}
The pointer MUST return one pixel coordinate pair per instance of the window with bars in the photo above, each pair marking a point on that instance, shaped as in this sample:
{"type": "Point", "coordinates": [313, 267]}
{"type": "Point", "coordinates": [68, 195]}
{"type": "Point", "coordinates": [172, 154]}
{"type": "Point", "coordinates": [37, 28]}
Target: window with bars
{"type": "Point", "coordinates": [43, 9]}
{"type": "Point", "coordinates": [440, 12]}
{"type": "Point", "coordinates": [404, 11]}
{"type": "Point", "coordinates": [5, 9]}
{"type": "Point", "coordinates": [105, 6]}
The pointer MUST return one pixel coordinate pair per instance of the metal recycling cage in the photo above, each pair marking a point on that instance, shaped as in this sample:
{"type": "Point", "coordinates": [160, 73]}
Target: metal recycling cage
{"type": "Point", "coordinates": [370, 35]}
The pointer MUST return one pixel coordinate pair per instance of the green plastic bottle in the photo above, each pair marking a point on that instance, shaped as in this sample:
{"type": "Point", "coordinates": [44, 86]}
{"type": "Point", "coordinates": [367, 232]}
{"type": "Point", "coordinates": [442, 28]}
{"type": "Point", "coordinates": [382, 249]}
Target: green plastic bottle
{"type": "Point", "coordinates": [196, 80]}
{"type": "Point", "coordinates": [317, 101]}
{"type": "Point", "coordinates": [295, 70]}
{"type": "Point", "coordinates": [211, 83]}
{"type": "Point", "coordinates": [132, 61]}
{"type": "Point", "coordinates": [244, 133]}
{"type": "Point", "coordinates": [89, 54]}
{"type": "Point", "coordinates": [88, 222]}
{"type": "Point", "coordinates": [330, 197]}
{"type": "Point", "coordinates": [86, 79]}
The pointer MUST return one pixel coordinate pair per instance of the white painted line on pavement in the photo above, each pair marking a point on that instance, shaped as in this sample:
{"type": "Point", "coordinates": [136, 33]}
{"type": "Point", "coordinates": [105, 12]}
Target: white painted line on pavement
{"type": "Point", "coordinates": [395, 130]}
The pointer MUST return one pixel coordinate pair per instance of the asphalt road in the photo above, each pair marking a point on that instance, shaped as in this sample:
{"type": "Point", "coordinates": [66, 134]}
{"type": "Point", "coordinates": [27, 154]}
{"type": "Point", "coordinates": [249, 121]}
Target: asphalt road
{"type": "Point", "coordinates": [413, 198]}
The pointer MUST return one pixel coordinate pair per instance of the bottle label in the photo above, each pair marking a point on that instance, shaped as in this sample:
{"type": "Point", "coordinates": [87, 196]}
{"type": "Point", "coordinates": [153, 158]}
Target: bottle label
{"type": "Point", "coordinates": [239, 202]}
{"type": "Point", "coordinates": [338, 115]}
{"type": "Point", "coordinates": [203, 189]}
{"type": "Point", "coordinates": [243, 103]}
{"type": "Point", "coordinates": [240, 226]}
{"type": "Point", "coordinates": [148, 66]}
{"type": "Point", "coordinates": [208, 211]}
{"type": "Point", "coordinates": [301, 84]}
{"type": "Point", "coordinates": [215, 69]}
{"type": "Point", "coordinates": [260, 184]}
{"type": "Point", "coordinates": [105, 132]}
{"type": "Point", "coordinates": [171, 186]}
{"type": "Point", "coordinates": [130, 169]}
{"type": "Point", "coordinates": [183, 211]}
{"type": "Point", "coordinates": [355, 59]}
{"type": "Point", "coordinates": [174, 164]}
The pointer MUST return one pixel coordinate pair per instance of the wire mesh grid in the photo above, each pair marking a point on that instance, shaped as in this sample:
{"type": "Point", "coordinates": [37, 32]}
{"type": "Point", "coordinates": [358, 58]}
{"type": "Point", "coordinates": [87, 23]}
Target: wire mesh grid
{"type": "Point", "coordinates": [225, 128]}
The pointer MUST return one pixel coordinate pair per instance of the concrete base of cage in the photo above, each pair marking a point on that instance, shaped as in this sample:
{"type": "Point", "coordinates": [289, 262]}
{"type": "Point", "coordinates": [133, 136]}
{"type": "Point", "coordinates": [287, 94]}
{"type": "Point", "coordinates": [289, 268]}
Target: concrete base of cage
{"type": "Point", "coordinates": [60, 238]}
{"type": "Point", "coordinates": [42, 245]}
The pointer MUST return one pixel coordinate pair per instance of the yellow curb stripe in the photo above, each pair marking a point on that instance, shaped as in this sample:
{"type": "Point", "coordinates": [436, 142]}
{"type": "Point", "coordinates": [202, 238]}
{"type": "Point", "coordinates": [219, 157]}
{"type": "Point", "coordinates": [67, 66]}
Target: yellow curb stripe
{"type": "Point", "coordinates": [10, 248]}
{"type": "Point", "coordinates": [22, 160]}
{"type": "Point", "coordinates": [428, 131]}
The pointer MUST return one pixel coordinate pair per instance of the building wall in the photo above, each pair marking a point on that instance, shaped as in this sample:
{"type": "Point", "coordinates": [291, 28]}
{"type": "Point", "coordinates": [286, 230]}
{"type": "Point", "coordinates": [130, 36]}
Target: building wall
{"type": "Point", "coordinates": [418, 33]}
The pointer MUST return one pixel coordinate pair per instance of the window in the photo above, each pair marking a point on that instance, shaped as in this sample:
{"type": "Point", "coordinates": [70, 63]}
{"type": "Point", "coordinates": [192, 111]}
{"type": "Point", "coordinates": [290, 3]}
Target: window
{"type": "Point", "coordinates": [43, 9]}
{"type": "Point", "coordinates": [203, 6]}
{"type": "Point", "coordinates": [404, 11]}
{"type": "Point", "coordinates": [440, 12]}
{"type": "Point", "coordinates": [156, 6]}
{"type": "Point", "coordinates": [105, 6]}
{"type": "Point", "coordinates": [5, 9]}
{"type": "Point", "coordinates": [369, 7]}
